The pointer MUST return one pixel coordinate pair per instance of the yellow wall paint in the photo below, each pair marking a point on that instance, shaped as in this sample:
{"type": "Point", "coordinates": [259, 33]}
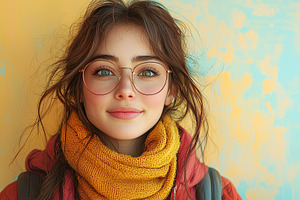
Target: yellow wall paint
{"type": "Point", "coordinates": [31, 33]}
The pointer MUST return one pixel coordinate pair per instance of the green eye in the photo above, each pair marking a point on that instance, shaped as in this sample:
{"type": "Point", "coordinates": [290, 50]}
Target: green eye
{"type": "Point", "coordinates": [147, 73]}
{"type": "Point", "coordinates": [104, 72]}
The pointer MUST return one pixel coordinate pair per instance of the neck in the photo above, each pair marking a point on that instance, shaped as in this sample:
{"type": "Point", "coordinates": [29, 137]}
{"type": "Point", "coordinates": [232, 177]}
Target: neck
{"type": "Point", "coordinates": [132, 147]}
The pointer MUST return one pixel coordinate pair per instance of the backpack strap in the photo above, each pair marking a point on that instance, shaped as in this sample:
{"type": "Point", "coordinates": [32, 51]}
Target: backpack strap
{"type": "Point", "coordinates": [210, 187]}
{"type": "Point", "coordinates": [28, 185]}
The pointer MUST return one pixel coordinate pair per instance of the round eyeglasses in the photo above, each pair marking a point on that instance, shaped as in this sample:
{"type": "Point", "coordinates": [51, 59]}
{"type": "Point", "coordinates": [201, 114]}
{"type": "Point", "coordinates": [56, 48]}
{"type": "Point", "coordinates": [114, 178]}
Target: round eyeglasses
{"type": "Point", "coordinates": [102, 77]}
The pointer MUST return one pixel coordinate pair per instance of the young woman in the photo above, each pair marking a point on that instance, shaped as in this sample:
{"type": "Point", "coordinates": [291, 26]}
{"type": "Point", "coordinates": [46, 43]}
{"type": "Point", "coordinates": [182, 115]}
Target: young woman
{"type": "Point", "coordinates": [122, 82]}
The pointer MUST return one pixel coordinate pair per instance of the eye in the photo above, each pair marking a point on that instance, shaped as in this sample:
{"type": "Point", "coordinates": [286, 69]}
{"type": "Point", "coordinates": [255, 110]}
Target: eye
{"type": "Point", "coordinates": [103, 72]}
{"type": "Point", "coordinates": [148, 73]}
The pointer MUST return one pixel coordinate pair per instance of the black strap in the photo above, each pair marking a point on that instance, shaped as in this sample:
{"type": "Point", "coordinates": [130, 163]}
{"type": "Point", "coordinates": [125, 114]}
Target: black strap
{"type": "Point", "coordinates": [210, 187]}
{"type": "Point", "coordinates": [28, 185]}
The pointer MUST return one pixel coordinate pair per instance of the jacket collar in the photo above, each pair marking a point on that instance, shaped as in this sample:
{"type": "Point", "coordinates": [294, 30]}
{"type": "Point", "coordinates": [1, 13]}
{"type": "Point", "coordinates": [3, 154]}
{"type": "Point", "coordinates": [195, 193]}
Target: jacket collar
{"type": "Point", "coordinates": [195, 170]}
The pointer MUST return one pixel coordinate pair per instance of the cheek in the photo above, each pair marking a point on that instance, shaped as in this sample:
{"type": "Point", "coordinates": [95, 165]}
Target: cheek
{"type": "Point", "coordinates": [156, 102]}
{"type": "Point", "coordinates": [91, 101]}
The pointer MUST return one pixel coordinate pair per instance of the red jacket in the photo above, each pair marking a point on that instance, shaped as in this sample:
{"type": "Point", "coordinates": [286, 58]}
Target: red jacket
{"type": "Point", "coordinates": [35, 162]}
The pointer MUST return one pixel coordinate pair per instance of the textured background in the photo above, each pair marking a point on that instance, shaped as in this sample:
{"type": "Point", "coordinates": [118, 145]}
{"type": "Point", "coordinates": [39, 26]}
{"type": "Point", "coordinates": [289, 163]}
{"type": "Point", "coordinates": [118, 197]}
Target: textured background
{"type": "Point", "coordinates": [249, 55]}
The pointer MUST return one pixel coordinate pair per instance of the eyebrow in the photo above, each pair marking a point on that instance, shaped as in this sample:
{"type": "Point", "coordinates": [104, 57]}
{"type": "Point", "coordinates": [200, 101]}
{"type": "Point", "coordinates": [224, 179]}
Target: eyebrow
{"type": "Point", "coordinates": [134, 59]}
{"type": "Point", "coordinates": [145, 58]}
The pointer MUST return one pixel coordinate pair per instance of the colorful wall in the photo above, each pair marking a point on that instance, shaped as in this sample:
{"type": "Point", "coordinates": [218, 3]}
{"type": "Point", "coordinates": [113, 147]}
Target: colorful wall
{"type": "Point", "coordinates": [249, 56]}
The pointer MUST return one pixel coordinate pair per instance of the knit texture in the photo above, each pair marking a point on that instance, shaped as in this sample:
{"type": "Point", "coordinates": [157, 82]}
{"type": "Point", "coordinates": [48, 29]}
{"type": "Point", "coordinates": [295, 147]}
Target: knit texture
{"type": "Point", "coordinates": [106, 174]}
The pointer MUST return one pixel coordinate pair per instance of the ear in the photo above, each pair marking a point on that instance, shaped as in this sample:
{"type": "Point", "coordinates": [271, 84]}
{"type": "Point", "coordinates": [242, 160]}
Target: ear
{"type": "Point", "coordinates": [170, 96]}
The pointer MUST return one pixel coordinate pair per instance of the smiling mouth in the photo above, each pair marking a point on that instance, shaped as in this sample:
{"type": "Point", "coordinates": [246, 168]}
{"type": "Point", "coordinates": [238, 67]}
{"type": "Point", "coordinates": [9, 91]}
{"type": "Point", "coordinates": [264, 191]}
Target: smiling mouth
{"type": "Point", "coordinates": [125, 113]}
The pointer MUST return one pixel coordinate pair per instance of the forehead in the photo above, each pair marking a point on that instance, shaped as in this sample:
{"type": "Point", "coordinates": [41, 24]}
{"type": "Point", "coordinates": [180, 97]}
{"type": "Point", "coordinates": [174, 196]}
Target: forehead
{"type": "Point", "coordinates": [125, 40]}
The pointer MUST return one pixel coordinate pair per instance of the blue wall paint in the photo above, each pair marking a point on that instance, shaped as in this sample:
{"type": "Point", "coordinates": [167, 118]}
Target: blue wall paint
{"type": "Point", "coordinates": [2, 69]}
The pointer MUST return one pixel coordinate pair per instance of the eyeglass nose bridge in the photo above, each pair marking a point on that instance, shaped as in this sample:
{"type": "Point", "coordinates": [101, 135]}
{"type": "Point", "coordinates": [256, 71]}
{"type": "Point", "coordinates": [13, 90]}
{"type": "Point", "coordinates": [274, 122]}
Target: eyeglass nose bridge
{"type": "Point", "coordinates": [131, 75]}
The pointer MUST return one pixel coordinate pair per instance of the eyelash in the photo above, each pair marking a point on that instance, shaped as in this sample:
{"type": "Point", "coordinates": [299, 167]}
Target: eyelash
{"type": "Point", "coordinates": [96, 71]}
{"type": "Point", "coordinates": [151, 70]}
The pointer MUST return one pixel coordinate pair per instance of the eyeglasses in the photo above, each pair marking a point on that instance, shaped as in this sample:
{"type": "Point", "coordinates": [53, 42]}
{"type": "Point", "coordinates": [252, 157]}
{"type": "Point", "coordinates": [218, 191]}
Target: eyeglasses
{"type": "Point", "coordinates": [102, 77]}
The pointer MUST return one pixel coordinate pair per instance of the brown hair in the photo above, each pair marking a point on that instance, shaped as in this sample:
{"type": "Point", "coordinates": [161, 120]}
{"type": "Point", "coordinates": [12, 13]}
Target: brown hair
{"type": "Point", "coordinates": [167, 42]}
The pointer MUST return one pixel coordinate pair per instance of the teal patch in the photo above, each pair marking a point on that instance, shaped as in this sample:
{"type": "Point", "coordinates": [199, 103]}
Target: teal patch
{"type": "Point", "coordinates": [16, 178]}
{"type": "Point", "coordinates": [2, 69]}
{"type": "Point", "coordinates": [7, 118]}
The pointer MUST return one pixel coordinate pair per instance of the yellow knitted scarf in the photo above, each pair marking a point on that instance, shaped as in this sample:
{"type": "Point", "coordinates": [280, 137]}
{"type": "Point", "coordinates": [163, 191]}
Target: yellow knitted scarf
{"type": "Point", "coordinates": [106, 174]}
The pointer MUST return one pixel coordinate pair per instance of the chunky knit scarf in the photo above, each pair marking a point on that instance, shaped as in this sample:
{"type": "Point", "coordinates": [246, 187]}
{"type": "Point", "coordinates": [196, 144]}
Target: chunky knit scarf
{"type": "Point", "coordinates": [105, 174]}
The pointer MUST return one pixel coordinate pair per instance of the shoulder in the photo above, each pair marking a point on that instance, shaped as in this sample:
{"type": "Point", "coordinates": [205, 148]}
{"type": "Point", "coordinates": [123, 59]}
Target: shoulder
{"type": "Point", "coordinates": [229, 191]}
{"type": "Point", "coordinates": [9, 192]}
{"type": "Point", "coordinates": [38, 162]}
{"type": "Point", "coordinates": [197, 170]}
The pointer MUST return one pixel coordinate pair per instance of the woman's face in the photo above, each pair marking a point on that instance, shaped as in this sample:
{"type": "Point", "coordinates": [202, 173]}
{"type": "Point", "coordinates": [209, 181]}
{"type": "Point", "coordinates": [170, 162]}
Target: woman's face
{"type": "Point", "coordinates": [124, 113]}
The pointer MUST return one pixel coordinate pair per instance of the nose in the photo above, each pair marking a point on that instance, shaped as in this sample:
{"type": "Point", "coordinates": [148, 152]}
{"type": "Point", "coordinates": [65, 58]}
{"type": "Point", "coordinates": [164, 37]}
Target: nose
{"type": "Point", "coordinates": [125, 89]}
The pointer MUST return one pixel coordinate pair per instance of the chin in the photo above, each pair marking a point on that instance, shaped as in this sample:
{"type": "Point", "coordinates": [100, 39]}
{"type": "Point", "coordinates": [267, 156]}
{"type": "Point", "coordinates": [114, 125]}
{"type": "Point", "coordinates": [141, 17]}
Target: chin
{"type": "Point", "coordinates": [126, 136]}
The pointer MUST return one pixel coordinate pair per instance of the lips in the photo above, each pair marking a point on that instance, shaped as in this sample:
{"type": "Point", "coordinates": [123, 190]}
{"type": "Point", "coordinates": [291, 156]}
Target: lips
{"type": "Point", "coordinates": [125, 112]}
